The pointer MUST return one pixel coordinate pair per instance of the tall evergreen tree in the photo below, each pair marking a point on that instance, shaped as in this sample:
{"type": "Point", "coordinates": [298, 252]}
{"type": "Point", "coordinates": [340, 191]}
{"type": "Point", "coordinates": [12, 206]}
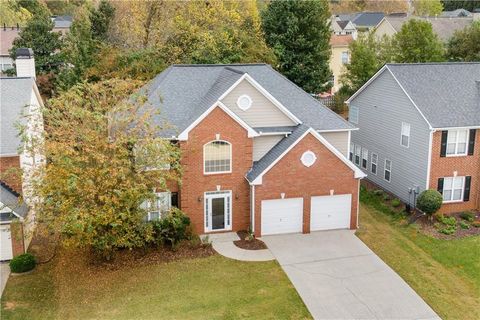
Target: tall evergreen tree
{"type": "Point", "coordinates": [100, 19]}
{"type": "Point", "coordinates": [465, 44]}
{"type": "Point", "coordinates": [299, 33]}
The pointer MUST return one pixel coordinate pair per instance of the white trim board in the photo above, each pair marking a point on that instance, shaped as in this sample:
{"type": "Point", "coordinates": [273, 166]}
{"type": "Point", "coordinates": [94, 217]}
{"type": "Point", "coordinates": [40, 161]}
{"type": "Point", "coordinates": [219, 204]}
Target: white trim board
{"type": "Point", "coordinates": [251, 132]}
{"type": "Point", "coordinates": [358, 174]}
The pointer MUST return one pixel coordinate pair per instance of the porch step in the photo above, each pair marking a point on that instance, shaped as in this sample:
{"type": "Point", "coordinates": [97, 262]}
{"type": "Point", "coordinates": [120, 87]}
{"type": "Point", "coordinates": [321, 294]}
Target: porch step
{"type": "Point", "coordinates": [220, 237]}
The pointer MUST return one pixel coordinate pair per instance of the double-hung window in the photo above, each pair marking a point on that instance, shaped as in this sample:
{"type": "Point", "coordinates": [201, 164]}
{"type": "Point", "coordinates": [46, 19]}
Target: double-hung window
{"type": "Point", "coordinates": [217, 157]}
{"type": "Point", "coordinates": [364, 158]}
{"type": "Point", "coordinates": [357, 155]}
{"type": "Point", "coordinates": [345, 57]}
{"type": "Point", "coordinates": [405, 136]}
{"type": "Point", "coordinates": [353, 114]}
{"type": "Point", "coordinates": [374, 163]}
{"type": "Point", "coordinates": [387, 175]}
{"type": "Point", "coordinates": [158, 207]}
{"type": "Point", "coordinates": [453, 188]}
{"type": "Point", "coordinates": [457, 142]}
{"type": "Point", "coordinates": [350, 153]}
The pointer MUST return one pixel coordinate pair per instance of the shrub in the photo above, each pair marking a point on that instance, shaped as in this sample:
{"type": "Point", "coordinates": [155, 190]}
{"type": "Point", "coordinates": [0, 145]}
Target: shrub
{"type": "Point", "coordinates": [467, 215]}
{"type": "Point", "coordinates": [448, 230]}
{"type": "Point", "coordinates": [476, 224]}
{"type": "Point", "coordinates": [429, 201]}
{"type": "Point", "coordinates": [464, 225]}
{"type": "Point", "coordinates": [386, 197]}
{"type": "Point", "coordinates": [448, 221]}
{"type": "Point", "coordinates": [22, 263]}
{"type": "Point", "coordinates": [378, 192]}
{"type": "Point", "coordinates": [396, 203]}
{"type": "Point", "coordinates": [171, 229]}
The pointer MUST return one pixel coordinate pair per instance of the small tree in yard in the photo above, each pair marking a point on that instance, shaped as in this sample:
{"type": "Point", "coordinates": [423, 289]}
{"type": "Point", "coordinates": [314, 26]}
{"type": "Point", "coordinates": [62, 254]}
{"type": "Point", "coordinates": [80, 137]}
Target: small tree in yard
{"type": "Point", "coordinates": [429, 201]}
{"type": "Point", "coordinates": [98, 145]}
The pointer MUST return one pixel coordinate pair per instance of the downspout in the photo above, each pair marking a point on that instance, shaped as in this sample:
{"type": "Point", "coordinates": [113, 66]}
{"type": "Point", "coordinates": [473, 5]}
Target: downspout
{"type": "Point", "coordinates": [252, 209]}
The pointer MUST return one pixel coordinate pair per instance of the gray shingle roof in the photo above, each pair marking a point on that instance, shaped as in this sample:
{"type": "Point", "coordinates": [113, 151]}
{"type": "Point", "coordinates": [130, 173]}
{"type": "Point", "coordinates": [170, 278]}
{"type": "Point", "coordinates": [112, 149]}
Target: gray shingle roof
{"type": "Point", "coordinates": [448, 94]}
{"type": "Point", "coordinates": [183, 92]}
{"type": "Point", "coordinates": [15, 94]}
{"type": "Point", "coordinates": [62, 21]}
{"type": "Point", "coordinates": [368, 19]}
{"type": "Point", "coordinates": [11, 199]}
{"type": "Point", "coordinates": [272, 155]}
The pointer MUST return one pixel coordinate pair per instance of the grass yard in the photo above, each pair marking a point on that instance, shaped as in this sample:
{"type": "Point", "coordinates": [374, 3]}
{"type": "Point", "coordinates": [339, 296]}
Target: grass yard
{"type": "Point", "coordinates": [445, 273]}
{"type": "Point", "coordinates": [202, 288]}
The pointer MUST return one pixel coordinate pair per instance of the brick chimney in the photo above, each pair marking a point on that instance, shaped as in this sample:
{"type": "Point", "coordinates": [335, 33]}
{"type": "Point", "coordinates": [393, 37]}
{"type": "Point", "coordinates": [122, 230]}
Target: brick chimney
{"type": "Point", "coordinates": [25, 63]}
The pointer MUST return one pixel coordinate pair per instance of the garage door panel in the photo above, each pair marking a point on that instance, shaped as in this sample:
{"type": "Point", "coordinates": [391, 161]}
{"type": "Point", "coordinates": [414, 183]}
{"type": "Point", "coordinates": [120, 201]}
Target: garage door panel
{"type": "Point", "coordinates": [282, 216]}
{"type": "Point", "coordinates": [330, 212]}
{"type": "Point", "coordinates": [6, 252]}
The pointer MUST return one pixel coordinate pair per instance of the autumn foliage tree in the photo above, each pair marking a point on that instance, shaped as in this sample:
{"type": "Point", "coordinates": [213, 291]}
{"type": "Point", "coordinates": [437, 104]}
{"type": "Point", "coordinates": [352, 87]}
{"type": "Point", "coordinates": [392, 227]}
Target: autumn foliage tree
{"type": "Point", "coordinates": [100, 141]}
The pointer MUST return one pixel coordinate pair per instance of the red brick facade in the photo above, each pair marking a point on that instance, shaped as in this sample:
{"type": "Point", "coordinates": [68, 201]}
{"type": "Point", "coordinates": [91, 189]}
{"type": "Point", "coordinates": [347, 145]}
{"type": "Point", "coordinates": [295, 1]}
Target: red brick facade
{"type": "Point", "coordinates": [288, 175]}
{"type": "Point", "coordinates": [18, 247]}
{"type": "Point", "coordinates": [291, 177]}
{"type": "Point", "coordinates": [464, 166]}
{"type": "Point", "coordinates": [195, 183]}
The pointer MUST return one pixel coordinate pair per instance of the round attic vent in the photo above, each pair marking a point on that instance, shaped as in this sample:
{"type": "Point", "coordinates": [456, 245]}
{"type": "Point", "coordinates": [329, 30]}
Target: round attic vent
{"type": "Point", "coordinates": [308, 158]}
{"type": "Point", "coordinates": [244, 102]}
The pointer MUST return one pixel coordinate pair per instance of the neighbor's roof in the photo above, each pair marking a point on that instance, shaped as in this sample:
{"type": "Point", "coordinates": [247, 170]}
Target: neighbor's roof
{"type": "Point", "coordinates": [183, 93]}
{"type": "Point", "coordinates": [443, 27]}
{"type": "Point", "coordinates": [363, 19]}
{"type": "Point", "coordinates": [15, 94]}
{"type": "Point", "coordinates": [62, 22]}
{"type": "Point", "coordinates": [342, 24]}
{"type": "Point", "coordinates": [11, 199]}
{"type": "Point", "coordinates": [341, 40]}
{"type": "Point", "coordinates": [272, 155]}
{"type": "Point", "coordinates": [456, 13]}
{"type": "Point", "coordinates": [447, 94]}
{"type": "Point", "coordinates": [6, 39]}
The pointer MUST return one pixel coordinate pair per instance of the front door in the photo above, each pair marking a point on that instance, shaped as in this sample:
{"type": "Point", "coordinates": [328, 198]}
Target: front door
{"type": "Point", "coordinates": [218, 211]}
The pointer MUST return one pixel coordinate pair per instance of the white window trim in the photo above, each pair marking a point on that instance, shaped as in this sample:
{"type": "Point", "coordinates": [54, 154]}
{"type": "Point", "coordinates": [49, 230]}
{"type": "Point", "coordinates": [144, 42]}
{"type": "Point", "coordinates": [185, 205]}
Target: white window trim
{"type": "Point", "coordinates": [385, 169]}
{"type": "Point", "coordinates": [149, 211]}
{"type": "Point", "coordinates": [207, 223]}
{"type": "Point", "coordinates": [357, 148]}
{"type": "Point", "coordinates": [217, 172]}
{"type": "Point", "coordinates": [364, 150]}
{"type": "Point", "coordinates": [352, 108]}
{"type": "Point", "coordinates": [374, 163]}
{"type": "Point", "coordinates": [453, 184]}
{"type": "Point", "coordinates": [408, 136]}
{"type": "Point", "coordinates": [456, 144]}
{"type": "Point", "coordinates": [351, 151]}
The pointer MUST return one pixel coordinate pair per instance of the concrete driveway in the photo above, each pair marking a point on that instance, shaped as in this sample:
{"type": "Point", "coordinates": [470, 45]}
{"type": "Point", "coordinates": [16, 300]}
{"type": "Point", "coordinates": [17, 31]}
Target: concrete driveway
{"type": "Point", "coordinates": [4, 273]}
{"type": "Point", "coordinates": [339, 277]}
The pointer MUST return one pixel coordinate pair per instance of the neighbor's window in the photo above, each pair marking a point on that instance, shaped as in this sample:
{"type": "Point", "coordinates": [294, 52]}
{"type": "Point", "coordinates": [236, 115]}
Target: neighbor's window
{"type": "Point", "coordinates": [457, 141]}
{"type": "Point", "coordinates": [353, 114]}
{"type": "Point", "coordinates": [453, 188]}
{"type": "Point", "coordinates": [217, 157]}
{"type": "Point", "coordinates": [357, 155]}
{"type": "Point", "coordinates": [364, 158]}
{"type": "Point", "coordinates": [345, 57]}
{"type": "Point", "coordinates": [350, 154]}
{"type": "Point", "coordinates": [388, 170]}
{"type": "Point", "coordinates": [158, 207]}
{"type": "Point", "coordinates": [374, 163]}
{"type": "Point", "coordinates": [405, 140]}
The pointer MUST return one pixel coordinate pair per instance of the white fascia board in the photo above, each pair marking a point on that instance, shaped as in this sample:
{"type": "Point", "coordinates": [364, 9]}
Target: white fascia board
{"type": "Point", "coordinates": [411, 100]}
{"type": "Point", "coordinates": [338, 130]}
{"type": "Point", "coordinates": [37, 94]}
{"type": "Point", "coordinates": [267, 95]}
{"type": "Point", "coordinates": [283, 133]}
{"type": "Point", "coordinates": [379, 72]}
{"type": "Point", "coordinates": [358, 174]}
{"type": "Point", "coordinates": [184, 135]}
{"type": "Point", "coordinates": [456, 128]}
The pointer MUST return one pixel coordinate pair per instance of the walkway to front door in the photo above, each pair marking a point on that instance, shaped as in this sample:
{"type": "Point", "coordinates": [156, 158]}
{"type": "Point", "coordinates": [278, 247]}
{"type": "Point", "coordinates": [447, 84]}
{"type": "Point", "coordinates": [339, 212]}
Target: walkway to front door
{"type": "Point", "coordinates": [339, 277]}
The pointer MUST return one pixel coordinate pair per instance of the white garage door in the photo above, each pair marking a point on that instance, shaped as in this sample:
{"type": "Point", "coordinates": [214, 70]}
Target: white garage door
{"type": "Point", "coordinates": [330, 212]}
{"type": "Point", "coordinates": [6, 252]}
{"type": "Point", "coordinates": [282, 216]}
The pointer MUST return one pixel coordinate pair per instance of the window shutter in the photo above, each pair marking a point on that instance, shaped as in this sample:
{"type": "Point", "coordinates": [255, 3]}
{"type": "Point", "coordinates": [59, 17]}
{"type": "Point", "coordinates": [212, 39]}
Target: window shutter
{"type": "Point", "coordinates": [471, 142]}
{"type": "Point", "coordinates": [466, 191]}
{"type": "Point", "coordinates": [440, 185]}
{"type": "Point", "coordinates": [443, 147]}
{"type": "Point", "coordinates": [174, 199]}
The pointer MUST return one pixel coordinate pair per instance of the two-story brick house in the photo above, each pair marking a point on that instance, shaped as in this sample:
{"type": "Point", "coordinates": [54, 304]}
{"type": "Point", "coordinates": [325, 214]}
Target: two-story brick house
{"type": "Point", "coordinates": [258, 152]}
{"type": "Point", "coordinates": [418, 129]}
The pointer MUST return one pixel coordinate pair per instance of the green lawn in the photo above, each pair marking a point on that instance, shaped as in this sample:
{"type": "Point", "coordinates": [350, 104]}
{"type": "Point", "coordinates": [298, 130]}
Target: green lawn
{"type": "Point", "coordinates": [201, 288]}
{"type": "Point", "coordinates": [445, 273]}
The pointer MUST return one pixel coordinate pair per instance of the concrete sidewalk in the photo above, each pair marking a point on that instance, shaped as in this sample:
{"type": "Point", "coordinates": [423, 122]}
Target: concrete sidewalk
{"type": "Point", "coordinates": [223, 244]}
{"type": "Point", "coordinates": [4, 274]}
{"type": "Point", "coordinates": [339, 277]}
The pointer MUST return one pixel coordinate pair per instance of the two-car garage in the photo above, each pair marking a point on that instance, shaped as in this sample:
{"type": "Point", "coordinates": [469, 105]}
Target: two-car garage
{"type": "Point", "coordinates": [286, 215]}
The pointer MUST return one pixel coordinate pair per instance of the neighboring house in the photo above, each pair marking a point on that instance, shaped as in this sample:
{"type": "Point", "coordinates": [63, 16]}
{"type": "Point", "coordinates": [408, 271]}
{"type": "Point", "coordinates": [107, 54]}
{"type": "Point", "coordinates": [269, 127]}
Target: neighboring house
{"type": "Point", "coordinates": [258, 152]}
{"type": "Point", "coordinates": [419, 129]}
{"type": "Point", "coordinates": [363, 21]}
{"type": "Point", "coordinates": [339, 58]}
{"type": "Point", "coordinates": [62, 23]}
{"type": "Point", "coordinates": [443, 27]}
{"type": "Point", "coordinates": [340, 27]}
{"type": "Point", "coordinates": [20, 105]}
{"type": "Point", "coordinates": [7, 35]}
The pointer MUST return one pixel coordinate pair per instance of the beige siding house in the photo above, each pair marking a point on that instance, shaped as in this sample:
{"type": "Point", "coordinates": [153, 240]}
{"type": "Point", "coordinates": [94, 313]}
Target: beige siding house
{"type": "Point", "coordinates": [340, 56]}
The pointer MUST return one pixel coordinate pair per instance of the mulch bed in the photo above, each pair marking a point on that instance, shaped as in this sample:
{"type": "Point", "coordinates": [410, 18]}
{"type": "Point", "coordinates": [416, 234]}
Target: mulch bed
{"type": "Point", "coordinates": [244, 243]}
{"type": "Point", "coordinates": [427, 227]}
